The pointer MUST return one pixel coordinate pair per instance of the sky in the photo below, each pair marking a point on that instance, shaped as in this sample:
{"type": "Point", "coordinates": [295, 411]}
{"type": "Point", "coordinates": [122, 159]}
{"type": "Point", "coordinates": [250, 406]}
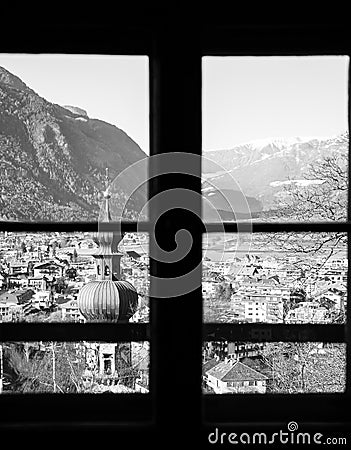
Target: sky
{"type": "Point", "coordinates": [250, 98]}
{"type": "Point", "coordinates": [111, 88]}
{"type": "Point", "coordinates": [244, 98]}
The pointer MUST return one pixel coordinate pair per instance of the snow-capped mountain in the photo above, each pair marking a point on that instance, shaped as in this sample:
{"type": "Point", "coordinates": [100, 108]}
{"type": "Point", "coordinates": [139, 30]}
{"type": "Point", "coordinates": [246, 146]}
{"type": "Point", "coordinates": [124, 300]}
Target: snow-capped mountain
{"type": "Point", "coordinates": [261, 169]}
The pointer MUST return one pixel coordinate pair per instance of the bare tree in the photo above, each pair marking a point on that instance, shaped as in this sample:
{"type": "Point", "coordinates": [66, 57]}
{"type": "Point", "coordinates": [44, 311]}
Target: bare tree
{"type": "Point", "coordinates": [325, 199]}
{"type": "Point", "coordinates": [324, 196]}
{"type": "Point", "coordinates": [301, 367]}
{"type": "Point", "coordinates": [54, 367]}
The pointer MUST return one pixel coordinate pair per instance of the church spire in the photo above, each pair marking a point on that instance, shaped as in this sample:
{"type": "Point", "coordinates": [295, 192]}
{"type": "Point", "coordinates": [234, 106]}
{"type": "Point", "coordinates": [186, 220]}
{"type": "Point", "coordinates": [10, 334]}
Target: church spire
{"type": "Point", "coordinates": [106, 215]}
{"type": "Point", "coordinates": [107, 257]}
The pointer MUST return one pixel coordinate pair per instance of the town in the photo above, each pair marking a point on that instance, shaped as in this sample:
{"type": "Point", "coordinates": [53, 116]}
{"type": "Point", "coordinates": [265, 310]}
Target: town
{"type": "Point", "coordinates": [41, 275]}
{"type": "Point", "coordinates": [258, 278]}
{"type": "Point", "coordinates": [246, 279]}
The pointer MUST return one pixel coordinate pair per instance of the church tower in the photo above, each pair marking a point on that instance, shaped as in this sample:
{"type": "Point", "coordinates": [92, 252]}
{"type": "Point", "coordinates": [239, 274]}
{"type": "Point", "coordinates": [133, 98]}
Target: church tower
{"type": "Point", "coordinates": [107, 257]}
{"type": "Point", "coordinates": [107, 298]}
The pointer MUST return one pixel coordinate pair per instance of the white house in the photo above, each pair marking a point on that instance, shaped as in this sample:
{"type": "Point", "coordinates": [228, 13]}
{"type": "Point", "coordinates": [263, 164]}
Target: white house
{"type": "Point", "coordinates": [230, 377]}
{"type": "Point", "coordinates": [70, 311]}
{"type": "Point", "coordinates": [257, 308]}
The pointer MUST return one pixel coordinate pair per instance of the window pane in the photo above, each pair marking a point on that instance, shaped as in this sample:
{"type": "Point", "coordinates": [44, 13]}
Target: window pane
{"type": "Point", "coordinates": [74, 277]}
{"type": "Point", "coordinates": [273, 367]}
{"type": "Point", "coordinates": [74, 367]}
{"type": "Point", "coordinates": [64, 120]}
{"type": "Point", "coordinates": [275, 277]}
{"type": "Point", "coordinates": [275, 138]}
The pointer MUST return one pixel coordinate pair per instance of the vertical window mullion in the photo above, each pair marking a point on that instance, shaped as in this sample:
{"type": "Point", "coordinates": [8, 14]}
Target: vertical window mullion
{"type": "Point", "coordinates": [176, 330]}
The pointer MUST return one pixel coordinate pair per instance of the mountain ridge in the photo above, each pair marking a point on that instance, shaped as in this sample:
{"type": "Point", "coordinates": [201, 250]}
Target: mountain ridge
{"type": "Point", "coordinates": [52, 165]}
{"type": "Point", "coordinates": [262, 169]}
{"type": "Point", "coordinates": [283, 140]}
{"type": "Point", "coordinates": [9, 79]}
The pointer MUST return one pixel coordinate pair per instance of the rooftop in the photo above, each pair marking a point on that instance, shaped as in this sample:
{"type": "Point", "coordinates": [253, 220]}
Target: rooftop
{"type": "Point", "coordinates": [208, 365]}
{"type": "Point", "coordinates": [227, 371]}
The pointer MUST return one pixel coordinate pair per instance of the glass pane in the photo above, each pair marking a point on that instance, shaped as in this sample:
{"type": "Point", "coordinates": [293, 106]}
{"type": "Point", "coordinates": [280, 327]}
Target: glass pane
{"type": "Point", "coordinates": [74, 367]}
{"type": "Point", "coordinates": [64, 120]}
{"type": "Point", "coordinates": [275, 277]}
{"type": "Point", "coordinates": [74, 277]}
{"type": "Point", "coordinates": [275, 138]}
{"type": "Point", "coordinates": [273, 367]}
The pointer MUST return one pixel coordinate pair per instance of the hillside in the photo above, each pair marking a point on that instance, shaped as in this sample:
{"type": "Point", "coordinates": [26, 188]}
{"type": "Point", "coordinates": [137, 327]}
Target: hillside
{"type": "Point", "coordinates": [263, 169]}
{"type": "Point", "coordinates": [53, 158]}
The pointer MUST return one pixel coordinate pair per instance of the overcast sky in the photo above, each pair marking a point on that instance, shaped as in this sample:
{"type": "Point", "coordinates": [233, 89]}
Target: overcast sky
{"type": "Point", "coordinates": [111, 88]}
{"type": "Point", "coordinates": [249, 98]}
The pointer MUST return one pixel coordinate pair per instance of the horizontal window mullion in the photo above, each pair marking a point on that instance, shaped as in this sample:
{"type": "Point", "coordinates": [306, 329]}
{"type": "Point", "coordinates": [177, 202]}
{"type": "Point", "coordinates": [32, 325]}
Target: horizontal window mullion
{"type": "Point", "coordinates": [261, 332]}
{"type": "Point", "coordinates": [126, 40]}
{"type": "Point", "coordinates": [70, 410]}
{"type": "Point", "coordinates": [223, 40]}
{"type": "Point", "coordinates": [74, 332]}
{"type": "Point", "coordinates": [126, 226]}
{"type": "Point", "coordinates": [274, 227]}
{"type": "Point", "coordinates": [81, 426]}
{"type": "Point", "coordinates": [252, 408]}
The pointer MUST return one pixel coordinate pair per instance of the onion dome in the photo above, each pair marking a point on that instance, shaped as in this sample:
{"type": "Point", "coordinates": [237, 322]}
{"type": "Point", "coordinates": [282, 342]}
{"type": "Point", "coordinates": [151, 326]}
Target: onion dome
{"type": "Point", "coordinates": [110, 301]}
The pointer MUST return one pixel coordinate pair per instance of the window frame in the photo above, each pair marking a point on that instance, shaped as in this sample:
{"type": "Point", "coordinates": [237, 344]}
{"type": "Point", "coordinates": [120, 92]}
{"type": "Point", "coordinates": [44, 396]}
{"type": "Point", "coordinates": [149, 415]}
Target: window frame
{"type": "Point", "coordinates": [159, 410]}
{"type": "Point", "coordinates": [282, 40]}
{"type": "Point", "coordinates": [73, 412]}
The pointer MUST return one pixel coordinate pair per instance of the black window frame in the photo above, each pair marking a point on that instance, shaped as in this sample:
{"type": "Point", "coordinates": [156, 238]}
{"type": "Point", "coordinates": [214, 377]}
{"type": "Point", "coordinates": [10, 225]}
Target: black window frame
{"type": "Point", "coordinates": [176, 338]}
{"type": "Point", "coordinates": [273, 410]}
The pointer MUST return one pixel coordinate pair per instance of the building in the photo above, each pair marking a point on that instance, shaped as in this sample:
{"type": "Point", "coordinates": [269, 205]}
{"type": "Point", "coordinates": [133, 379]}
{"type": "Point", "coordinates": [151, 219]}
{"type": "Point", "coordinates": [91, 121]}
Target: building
{"type": "Point", "coordinates": [231, 350]}
{"type": "Point", "coordinates": [308, 312]}
{"type": "Point", "coordinates": [335, 293]}
{"type": "Point", "coordinates": [19, 296]}
{"type": "Point", "coordinates": [2, 280]}
{"type": "Point", "coordinates": [42, 299]}
{"type": "Point", "coordinates": [108, 299]}
{"type": "Point", "coordinates": [70, 311]}
{"type": "Point", "coordinates": [334, 275]}
{"type": "Point", "coordinates": [209, 287]}
{"type": "Point", "coordinates": [206, 366]}
{"type": "Point", "coordinates": [40, 282]}
{"type": "Point", "coordinates": [10, 312]}
{"type": "Point", "coordinates": [17, 268]}
{"type": "Point", "coordinates": [234, 377]}
{"type": "Point", "coordinates": [257, 308]}
{"type": "Point", "coordinates": [48, 269]}
{"type": "Point", "coordinates": [266, 286]}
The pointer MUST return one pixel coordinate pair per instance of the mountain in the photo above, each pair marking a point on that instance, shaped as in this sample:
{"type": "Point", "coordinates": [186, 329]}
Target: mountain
{"type": "Point", "coordinates": [229, 204]}
{"type": "Point", "coordinates": [53, 158]}
{"type": "Point", "coordinates": [262, 169]}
